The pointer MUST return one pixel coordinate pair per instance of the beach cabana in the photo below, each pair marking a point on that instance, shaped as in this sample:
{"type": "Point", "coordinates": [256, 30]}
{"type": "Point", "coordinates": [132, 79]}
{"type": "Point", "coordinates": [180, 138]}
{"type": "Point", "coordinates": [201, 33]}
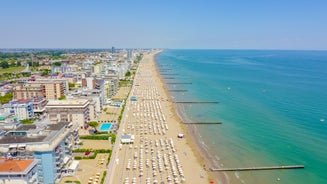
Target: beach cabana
{"type": "Point", "coordinates": [180, 135]}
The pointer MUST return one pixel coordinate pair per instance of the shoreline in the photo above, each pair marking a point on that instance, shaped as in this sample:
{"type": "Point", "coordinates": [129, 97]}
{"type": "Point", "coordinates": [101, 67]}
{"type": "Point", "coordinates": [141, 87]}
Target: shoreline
{"type": "Point", "coordinates": [194, 141]}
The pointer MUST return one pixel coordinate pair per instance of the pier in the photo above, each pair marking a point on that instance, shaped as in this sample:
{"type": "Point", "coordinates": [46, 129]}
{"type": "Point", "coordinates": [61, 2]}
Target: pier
{"type": "Point", "coordinates": [179, 83]}
{"type": "Point", "coordinates": [168, 77]}
{"type": "Point", "coordinates": [199, 102]}
{"type": "Point", "coordinates": [177, 90]}
{"type": "Point", "coordinates": [258, 168]}
{"type": "Point", "coordinates": [203, 123]}
{"type": "Point", "coordinates": [165, 69]}
{"type": "Point", "coordinates": [169, 74]}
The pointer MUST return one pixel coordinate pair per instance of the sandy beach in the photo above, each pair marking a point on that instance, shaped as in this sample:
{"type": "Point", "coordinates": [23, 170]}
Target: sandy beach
{"type": "Point", "coordinates": [156, 155]}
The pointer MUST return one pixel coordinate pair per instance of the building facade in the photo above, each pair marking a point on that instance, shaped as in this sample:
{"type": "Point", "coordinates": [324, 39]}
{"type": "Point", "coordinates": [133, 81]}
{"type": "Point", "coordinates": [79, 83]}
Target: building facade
{"type": "Point", "coordinates": [76, 111]}
{"type": "Point", "coordinates": [50, 146]}
{"type": "Point", "coordinates": [18, 171]}
{"type": "Point", "coordinates": [22, 109]}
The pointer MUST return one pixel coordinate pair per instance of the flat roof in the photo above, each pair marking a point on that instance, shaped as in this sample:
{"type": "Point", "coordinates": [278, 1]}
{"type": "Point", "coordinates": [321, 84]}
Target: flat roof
{"type": "Point", "coordinates": [20, 139]}
{"type": "Point", "coordinates": [70, 102]}
{"type": "Point", "coordinates": [25, 127]}
{"type": "Point", "coordinates": [17, 166]}
{"type": "Point", "coordinates": [49, 132]}
{"type": "Point", "coordinates": [57, 126]}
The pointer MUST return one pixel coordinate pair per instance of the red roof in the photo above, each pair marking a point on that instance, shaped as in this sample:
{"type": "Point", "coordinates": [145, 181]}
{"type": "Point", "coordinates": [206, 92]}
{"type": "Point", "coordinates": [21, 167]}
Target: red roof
{"type": "Point", "coordinates": [14, 165]}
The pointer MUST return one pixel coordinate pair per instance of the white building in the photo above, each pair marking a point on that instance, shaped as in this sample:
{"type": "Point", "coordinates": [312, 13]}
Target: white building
{"type": "Point", "coordinates": [22, 109]}
{"type": "Point", "coordinates": [76, 111]}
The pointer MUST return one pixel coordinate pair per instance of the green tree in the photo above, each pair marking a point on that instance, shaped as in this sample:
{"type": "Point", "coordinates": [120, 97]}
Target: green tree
{"type": "Point", "coordinates": [27, 121]}
{"type": "Point", "coordinates": [4, 64]}
{"type": "Point", "coordinates": [45, 72]}
{"type": "Point", "coordinates": [56, 63]}
{"type": "Point", "coordinates": [71, 85]}
{"type": "Point", "coordinates": [62, 97]}
{"type": "Point", "coordinates": [6, 98]}
{"type": "Point", "coordinates": [93, 124]}
{"type": "Point", "coordinates": [128, 74]}
{"type": "Point", "coordinates": [18, 63]}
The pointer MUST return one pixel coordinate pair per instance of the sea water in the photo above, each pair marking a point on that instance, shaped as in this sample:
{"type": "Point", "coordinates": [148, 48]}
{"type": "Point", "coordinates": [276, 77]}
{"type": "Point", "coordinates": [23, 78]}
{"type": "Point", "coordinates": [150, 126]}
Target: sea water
{"type": "Point", "coordinates": [273, 105]}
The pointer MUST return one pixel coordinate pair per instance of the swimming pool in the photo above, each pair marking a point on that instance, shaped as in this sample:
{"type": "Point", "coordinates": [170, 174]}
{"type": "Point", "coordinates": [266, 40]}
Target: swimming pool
{"type": "Point", "coordinates": [105, 127]}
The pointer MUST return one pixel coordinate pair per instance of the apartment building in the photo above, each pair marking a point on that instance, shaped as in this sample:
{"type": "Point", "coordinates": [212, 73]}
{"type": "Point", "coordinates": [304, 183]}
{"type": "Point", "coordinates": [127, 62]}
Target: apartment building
{"type": "Point", "coordinates": [18, 171]}
{"type": "Point", "coordinates": [22, 109]}
{"type": "Point", "coordinates": [49, 145]}
{"type": "Point", "coordinates": [76, 111]}
{"type": "Point", "coordinates": [51, 89]}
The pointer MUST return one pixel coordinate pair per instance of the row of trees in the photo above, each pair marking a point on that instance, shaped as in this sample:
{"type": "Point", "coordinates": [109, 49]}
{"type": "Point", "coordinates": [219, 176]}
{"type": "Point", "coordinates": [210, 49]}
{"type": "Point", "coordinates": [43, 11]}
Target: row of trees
{"type": "Point", "coordinates": [6, 64]}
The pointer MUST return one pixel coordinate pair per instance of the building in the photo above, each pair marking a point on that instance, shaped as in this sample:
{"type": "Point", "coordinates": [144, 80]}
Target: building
{"type": "Point", "coordinates": [22, 109]}
{"type": "Point", "coordinates": [98, 68]}
{"type": "Point", "coordinates": [93, 95]}
{"type": "Point", "coordinates": [39, 105]}
{"type": "Point", "coordinates": [64, 82]}
{"type": "Point", "coordinates": [18, 171]}
{"type": "Point", "coordinates": [76, 111]}
{"type": "Point", "coordinates": [28, 91]}
{"type": "Point", "coordinates": [49, 89]}
{"type": "Point", "coordinates": [50, 145]}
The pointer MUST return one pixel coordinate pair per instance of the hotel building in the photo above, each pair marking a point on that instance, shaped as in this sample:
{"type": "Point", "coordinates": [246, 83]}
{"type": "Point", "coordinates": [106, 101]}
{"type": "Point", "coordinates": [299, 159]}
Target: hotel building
{"type": "Point", "coordinates": [76, 111]}
{"type": "Point", "coordinates": [48, 146]}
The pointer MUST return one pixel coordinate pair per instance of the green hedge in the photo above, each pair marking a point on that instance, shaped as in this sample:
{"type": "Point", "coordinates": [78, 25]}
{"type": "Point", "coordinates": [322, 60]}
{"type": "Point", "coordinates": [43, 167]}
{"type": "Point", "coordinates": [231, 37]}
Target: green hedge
{"type": "Point", "coordinates": [95, 152]}
{"type": "Point", "coordinates": [103, 177]}
{"type": "Point", "coordinates": [69, 181]}
{"type": "Point", "coordinates": [91, 150]}
{"type": "Point", "coordinates": [95, 137]}
{"type": "Point", "coordinates": [99, 136]}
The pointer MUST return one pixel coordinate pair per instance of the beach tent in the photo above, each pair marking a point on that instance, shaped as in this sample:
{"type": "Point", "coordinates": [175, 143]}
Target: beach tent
{"type": "Point", "coordinates": [180, 135]}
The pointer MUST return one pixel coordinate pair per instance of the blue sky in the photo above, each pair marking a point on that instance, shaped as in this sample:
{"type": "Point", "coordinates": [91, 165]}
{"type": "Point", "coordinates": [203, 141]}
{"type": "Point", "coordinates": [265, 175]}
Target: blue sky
{"type": "Point", "coordinates": [205, 24]}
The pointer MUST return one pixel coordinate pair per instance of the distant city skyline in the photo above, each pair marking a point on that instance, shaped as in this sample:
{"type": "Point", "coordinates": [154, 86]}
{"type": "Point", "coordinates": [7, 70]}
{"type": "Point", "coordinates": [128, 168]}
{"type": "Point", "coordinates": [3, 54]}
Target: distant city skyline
{"type": "Point", "coordinates": [182, 24]}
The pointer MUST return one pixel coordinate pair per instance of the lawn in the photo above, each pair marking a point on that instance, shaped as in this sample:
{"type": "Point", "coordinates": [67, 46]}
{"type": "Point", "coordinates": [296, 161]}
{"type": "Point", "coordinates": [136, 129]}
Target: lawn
{"type": "Point", "coordinates": [12, 69]}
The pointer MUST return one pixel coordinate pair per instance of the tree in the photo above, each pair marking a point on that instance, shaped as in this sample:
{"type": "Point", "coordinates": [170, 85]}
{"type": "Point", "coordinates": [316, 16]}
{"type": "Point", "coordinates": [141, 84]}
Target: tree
{"type": "Point", "coordinates": [27, 121]}
{"type": "Point", "coordinates": [128, 74]}
{"type": "Point", "coordinates": [37, 64]}
{"type": "Point", "coordinates": [56, 63]}
{"type": "Point", "coordinates": [18, 63]}
{"type": "Point", "coordinates": [4, 64]}
{"type": "Point", "coordinates": [63, 97]}
{"type": "Point", "coordinates": [71, 85]}
{"type": "Point", "coordinates": [45, 72]}
{"type": "Point", "coordinates": [93, 124]}
{"type": "Point", "coordinates": [6, 98]}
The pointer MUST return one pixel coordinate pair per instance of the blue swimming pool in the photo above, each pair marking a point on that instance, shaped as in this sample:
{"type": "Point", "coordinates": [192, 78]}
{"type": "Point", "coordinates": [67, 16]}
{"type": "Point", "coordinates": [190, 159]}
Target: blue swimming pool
{"type": "Point", "coordinates": [105, 127]}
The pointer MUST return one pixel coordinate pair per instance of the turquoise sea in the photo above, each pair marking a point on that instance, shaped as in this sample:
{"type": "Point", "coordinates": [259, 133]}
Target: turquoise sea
{"type": "Point", "coordinates": [273, 105]}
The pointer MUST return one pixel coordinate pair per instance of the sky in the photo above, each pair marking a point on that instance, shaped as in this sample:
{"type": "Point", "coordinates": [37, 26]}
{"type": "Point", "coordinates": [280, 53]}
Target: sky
{"type": "Point", "coordinates": [175, 24]}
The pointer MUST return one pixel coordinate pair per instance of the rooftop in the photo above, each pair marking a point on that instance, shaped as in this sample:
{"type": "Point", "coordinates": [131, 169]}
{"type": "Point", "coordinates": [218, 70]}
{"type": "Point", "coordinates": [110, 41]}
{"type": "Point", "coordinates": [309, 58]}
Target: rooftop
{"type": "Point", "coordinates": [47, 134]}
{"type": "Point", "coordinates": [11, 166]}
{"type": "Point", "coordinates": [25, 127]}
{"type": "Point", "coordinates": [70, 102]}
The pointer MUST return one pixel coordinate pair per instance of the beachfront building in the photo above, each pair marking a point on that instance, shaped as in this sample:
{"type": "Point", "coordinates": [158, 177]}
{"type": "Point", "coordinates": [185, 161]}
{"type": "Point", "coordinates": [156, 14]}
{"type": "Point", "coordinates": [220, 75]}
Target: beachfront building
{"type": "Point", "coordinates": [18, 171]}
{"type": "Point", "coordinates": [76, 111]}
{"type": "Point", "coordinates": [22, 109]}
{"type": "Point", "coordinates": [49, 145]}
